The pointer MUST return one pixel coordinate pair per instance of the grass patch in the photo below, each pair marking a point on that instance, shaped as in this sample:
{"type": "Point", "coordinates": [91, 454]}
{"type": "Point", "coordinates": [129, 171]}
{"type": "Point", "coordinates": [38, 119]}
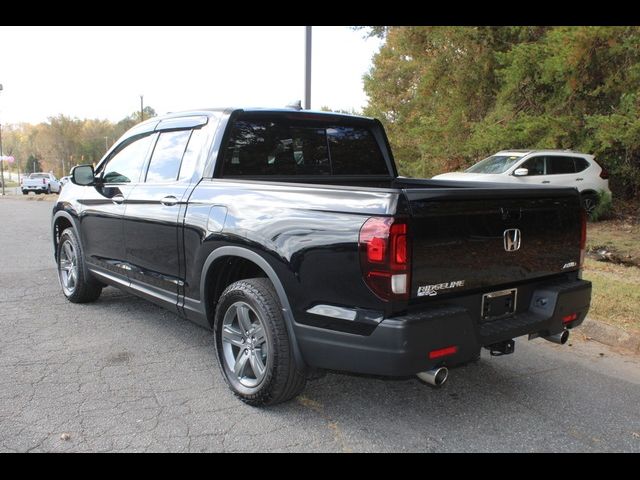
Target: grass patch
{"type": "Point", "coordinates": [623, 236]}
{"type": "Point", "coordinates": [616, 293]}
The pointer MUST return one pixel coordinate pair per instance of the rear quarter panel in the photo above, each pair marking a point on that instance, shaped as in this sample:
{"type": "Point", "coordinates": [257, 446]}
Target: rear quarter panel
{"type": "Point", "coordinates": [307, 234]}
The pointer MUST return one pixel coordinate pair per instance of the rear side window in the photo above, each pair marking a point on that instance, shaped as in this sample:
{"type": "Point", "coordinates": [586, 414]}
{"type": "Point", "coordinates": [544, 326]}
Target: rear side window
{"type": "Point", "coordinates": [190, 158]}
{"type": "Point", "coordinates": [581, 164]}
{"type": "Point", "coordinates": [560, 165]}
{"type": "Point", "coordinates": [294, 147]}
{"type": "Point", "coordinates": [167, 155]}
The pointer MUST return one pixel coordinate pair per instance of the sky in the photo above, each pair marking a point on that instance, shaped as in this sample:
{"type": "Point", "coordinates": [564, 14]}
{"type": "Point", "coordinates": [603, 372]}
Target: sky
{"type": "Point", "coordinates": [100, 72]}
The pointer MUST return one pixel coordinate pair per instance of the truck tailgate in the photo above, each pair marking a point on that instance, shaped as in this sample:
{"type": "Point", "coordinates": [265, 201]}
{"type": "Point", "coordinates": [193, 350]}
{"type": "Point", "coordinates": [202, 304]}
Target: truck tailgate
{"type": "Point", "coordinates": [482, 239]}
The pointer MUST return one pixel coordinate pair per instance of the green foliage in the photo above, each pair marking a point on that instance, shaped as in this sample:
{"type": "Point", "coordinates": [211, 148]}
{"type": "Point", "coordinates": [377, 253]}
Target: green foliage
{"type": "Point", "coordinates": [603, 208]}
{"type": "Point", "coordinates": [32, 165]}
{"type": "Point", "coordinates": [450, 96]}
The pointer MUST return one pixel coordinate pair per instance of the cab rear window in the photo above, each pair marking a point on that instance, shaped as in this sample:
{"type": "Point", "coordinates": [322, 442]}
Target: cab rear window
{"type": "Point", "coordinates": [284, 146]}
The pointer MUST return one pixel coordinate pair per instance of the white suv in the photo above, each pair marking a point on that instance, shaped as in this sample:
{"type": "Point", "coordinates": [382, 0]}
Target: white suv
{"type": "Point", "coordinates": [563, 168]}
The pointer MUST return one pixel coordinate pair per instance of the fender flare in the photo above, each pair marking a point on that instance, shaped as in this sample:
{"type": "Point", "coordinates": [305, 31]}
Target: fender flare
{"type": "Point", "coordinates": [67, 216]}
{"type": "Point", "coordinates": [233, 251]}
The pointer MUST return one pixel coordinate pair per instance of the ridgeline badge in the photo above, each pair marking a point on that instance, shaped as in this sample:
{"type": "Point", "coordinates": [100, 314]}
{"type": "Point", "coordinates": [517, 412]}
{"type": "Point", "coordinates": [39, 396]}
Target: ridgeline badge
{"type": "Point", "coordinates": [432, 290]}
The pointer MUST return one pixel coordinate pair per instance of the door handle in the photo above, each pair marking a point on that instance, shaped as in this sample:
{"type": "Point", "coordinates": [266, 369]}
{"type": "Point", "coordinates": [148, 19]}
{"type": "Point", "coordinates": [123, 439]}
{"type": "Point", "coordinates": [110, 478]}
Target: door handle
{"type": "Point", "coordinates": [169, 201]}
{"type": "Point", "coordinates": [118, 199]}
{"type": "Point", "coordinates": [546, 181]}
{"type": "Point", "coordinates": [579, 179]}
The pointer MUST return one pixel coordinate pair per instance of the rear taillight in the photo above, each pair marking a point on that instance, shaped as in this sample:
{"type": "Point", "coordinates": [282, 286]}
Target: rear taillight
{"type": "Point", "coordinates": [604, 173]}
{"type": "Point", "coordinates": [583, 235]}
{"type": "Point", "coordinates": [44, 182]}
{"type": "Point", "coordinates": [385, 257]}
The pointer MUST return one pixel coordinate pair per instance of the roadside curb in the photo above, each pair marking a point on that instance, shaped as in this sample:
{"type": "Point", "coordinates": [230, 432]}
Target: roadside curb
{"type": "Point", "coordinates": [30, 198]}
{"type": "Point", "coordinates": [609, 335]}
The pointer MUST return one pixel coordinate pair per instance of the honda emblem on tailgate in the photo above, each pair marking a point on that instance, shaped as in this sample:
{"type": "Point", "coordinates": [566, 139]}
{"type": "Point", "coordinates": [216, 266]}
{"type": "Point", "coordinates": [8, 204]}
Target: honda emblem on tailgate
{"type": "Point", "coordinates": [512, 239]}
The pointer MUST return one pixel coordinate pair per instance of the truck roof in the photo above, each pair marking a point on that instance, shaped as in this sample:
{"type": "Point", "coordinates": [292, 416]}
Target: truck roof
{"type": "Point", "coordinates": [228, 110]}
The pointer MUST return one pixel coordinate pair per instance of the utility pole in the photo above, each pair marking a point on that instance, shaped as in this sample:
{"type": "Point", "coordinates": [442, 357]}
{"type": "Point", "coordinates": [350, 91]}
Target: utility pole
{"type": "Point", "coordinates": [141, 108]}
{"type": "Point", "coordinates": [307, 69]}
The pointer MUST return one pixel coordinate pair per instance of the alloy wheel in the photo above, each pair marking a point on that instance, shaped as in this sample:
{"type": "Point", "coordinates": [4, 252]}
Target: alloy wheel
{"type": "Point", "coordinates": [244, 344]}
{"type": "Point", "coordinates": [68, 268]}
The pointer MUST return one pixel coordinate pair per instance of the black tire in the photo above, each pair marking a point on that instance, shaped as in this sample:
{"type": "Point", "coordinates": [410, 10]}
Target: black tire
{"type": "Point", "coordinates": [48, 189]}
{"type": "Point", "coordinates": [283, 377]}
{"type": "Point", "coordinates": [589, 202]}
{"type": "Point", "coordinates": [25, 192]}
{"type": "Point", "coordinates": [85, 289]}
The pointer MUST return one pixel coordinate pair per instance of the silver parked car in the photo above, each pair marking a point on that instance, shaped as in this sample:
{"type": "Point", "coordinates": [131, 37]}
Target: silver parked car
{"type": "Point", "coordinates": [564, 168]}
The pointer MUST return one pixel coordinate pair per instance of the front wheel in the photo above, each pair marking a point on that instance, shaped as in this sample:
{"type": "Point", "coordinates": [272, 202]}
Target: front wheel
{"type": "Point", "coordinates": [25, 192]}
{"type": "Point", "coordinates": [253, 347]}
{"type": "Point", "coordinates": [76, 285]}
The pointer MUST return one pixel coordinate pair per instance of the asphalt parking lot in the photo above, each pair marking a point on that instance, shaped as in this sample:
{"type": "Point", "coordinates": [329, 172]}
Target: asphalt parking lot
{"type": "Point", "coordinates": [124, 375]}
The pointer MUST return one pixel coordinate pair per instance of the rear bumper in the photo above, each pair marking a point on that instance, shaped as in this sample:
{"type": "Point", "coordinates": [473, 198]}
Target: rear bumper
{"type": "Point", "coordinates": [401, 345]}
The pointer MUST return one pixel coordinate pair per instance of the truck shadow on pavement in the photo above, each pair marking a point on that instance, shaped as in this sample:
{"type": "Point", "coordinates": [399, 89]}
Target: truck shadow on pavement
{"type": "Point", "coordinates": [508, 403]}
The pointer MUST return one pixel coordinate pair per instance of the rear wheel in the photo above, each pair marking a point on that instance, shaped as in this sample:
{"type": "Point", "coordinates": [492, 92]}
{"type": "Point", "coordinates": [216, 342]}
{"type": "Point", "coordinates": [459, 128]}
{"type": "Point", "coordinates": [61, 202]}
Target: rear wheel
{"type": "Point", "coordinates": [590, 202]}
{"type": "Point", "coordinates": [75, 283]}
{"type": "Point", "coordinates": [254, 351]}
{"type": "Point", "coordinates": [25, 192]}
{"type": "Point", "coordinates": [48, 189]}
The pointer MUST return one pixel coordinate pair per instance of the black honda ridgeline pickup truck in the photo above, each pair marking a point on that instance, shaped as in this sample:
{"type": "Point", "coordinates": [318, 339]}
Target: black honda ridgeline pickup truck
{"type": "Point", "coordinates": [291, 236]}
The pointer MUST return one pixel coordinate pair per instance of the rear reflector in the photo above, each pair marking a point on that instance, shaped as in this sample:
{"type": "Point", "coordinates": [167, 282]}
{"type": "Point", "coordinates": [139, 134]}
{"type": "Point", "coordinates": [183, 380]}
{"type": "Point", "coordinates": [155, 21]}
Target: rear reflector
{"type": "Point", "coordinates": [443, 352]}
{"type": "Point", "coordinates": [569, 318]}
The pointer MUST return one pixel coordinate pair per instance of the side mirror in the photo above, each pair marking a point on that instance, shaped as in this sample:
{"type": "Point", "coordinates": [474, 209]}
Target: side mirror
{"type": "Point", "coordinates": [521, 172]}
{"type": "Point", "coordinates": [83, 175]}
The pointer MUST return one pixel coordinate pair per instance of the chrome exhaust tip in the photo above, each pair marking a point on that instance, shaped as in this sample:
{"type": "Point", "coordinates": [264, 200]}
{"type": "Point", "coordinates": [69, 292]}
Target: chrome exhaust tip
{"type": "Point", "coordinates": [560, 338]}
{"type": "Point", "coordinates": [435, 377]}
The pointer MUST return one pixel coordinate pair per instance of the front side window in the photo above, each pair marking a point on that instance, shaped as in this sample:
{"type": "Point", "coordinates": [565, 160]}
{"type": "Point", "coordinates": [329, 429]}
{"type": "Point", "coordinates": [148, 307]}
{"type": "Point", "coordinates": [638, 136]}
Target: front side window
{"type": "Point", "coordinates": [560, 165]}
{"type": "Point", "coordinates": [494, 164]}
{"type": "Point", "coordinates": [125, 166]}
{"type": "Point", "coordinates": [295, 147]}
{"type": "Point", "coordinates": [535, 166]}
{"type": "Point", "coordinates": [167, 155]}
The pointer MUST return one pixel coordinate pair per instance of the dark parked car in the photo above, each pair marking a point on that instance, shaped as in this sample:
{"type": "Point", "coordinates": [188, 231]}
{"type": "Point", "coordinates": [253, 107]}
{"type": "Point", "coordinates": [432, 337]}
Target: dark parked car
{"type": "Point", "coordinates": [291, 236]}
